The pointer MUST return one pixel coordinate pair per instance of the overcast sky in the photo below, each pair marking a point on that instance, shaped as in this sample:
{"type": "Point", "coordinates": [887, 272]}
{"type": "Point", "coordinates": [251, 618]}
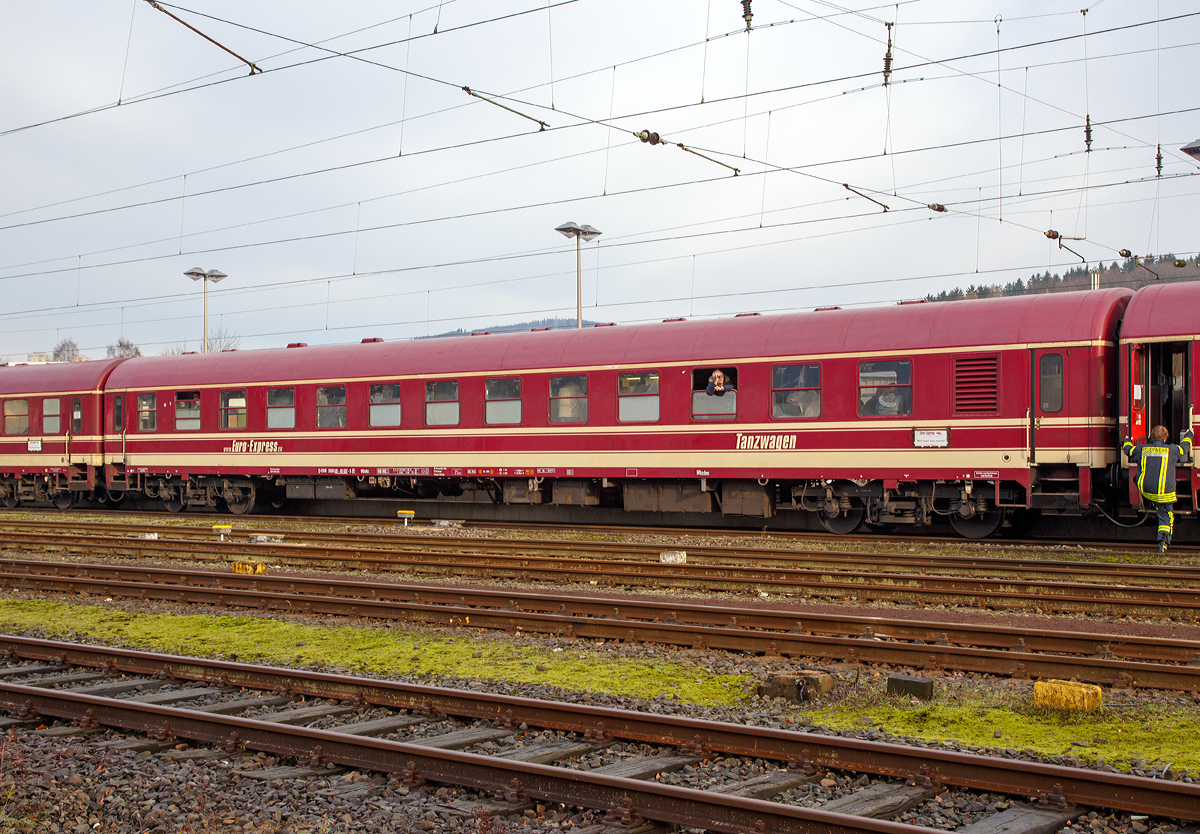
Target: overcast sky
{"type": "Point", "coordinates": [366, 194]}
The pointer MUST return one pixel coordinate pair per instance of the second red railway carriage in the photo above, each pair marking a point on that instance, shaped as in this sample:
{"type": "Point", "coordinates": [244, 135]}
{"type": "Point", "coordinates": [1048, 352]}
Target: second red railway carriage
{"type": "Point", "coordinates": [978, 410]}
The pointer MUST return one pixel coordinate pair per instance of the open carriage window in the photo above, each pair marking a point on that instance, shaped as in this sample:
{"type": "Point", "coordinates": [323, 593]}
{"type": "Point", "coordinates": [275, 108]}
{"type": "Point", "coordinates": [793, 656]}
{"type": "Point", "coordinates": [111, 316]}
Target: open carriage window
{"type": "Point", "coordinates": [187, 411]}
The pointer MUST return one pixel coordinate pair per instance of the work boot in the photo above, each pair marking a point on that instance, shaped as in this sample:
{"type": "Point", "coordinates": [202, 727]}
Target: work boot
{"type": "Point", "coordinates": [1162, 547]}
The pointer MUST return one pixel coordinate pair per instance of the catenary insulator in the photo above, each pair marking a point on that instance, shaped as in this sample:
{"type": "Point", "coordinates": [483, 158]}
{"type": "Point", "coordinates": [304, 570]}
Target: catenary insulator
{"type": "Point", "coordinates": [1087, 133]}
{"type": "Point", "coordinates": [1158, 163]}
{"type": "Point", "coordinates": [887, 58]}
{"type": "Point", "coordinates": [747, 15]}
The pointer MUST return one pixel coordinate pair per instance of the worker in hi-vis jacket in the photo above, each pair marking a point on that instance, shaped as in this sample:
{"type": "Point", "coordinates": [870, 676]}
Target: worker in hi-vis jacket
{"type": "Point", "coordinates": [1156, 460]}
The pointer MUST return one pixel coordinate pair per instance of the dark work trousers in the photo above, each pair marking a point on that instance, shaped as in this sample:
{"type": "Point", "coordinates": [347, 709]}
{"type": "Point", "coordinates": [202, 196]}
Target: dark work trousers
{"type": "Point", "coordinates": [1166, 520]}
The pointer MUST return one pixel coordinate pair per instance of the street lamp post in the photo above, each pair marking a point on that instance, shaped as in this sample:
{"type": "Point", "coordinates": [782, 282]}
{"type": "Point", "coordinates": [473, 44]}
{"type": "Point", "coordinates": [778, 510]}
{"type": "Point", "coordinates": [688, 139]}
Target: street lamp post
{"type": "Point", "coordinates": [213, 275]}
{"type": "Point", "coordinates": [573, 229]}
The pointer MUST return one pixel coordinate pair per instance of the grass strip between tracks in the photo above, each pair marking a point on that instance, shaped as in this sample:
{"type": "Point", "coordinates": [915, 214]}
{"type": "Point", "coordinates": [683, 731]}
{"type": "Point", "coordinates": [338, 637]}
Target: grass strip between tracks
{"type": "Point", "coordinates": [376, 650]}
{"type": "Point", "coordinates": [965, 710]}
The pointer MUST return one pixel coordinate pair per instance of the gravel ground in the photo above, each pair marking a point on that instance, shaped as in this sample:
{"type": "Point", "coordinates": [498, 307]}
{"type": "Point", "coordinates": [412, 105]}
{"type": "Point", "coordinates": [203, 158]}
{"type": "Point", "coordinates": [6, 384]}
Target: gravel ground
{"type": "Point", "coordinates": [70, 786]}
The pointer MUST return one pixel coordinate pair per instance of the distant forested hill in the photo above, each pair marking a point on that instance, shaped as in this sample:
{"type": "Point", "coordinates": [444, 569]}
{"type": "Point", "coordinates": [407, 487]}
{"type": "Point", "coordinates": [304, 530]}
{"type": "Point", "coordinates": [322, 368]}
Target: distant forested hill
{"type": "Point", "coordinates": [520, 327]}
{"type": "Point", "coordinates": [1128, 274]}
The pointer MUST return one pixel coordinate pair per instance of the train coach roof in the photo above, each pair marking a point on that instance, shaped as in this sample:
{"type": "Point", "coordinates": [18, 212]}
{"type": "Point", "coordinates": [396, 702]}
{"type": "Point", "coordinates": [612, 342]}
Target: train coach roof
{"type": "Point", "coordinates": [1062, 317]}
{"type": "Point", "coordinates": [1163, 310]}
{"type": "Point", "coordinates": [59, 377]}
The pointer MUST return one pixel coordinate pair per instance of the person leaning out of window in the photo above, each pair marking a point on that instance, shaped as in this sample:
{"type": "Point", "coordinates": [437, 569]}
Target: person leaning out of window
{"type": "Point", "coordinates": [717, 385]}
{"type": "Point", "coordinates": [1156, 460]}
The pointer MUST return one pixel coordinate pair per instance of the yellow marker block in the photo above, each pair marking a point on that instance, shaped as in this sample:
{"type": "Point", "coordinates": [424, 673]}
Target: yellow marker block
{"type": "Point", "coordinates": [249, 567]}
{"type": "Point", "coordinates": [1066, 695]}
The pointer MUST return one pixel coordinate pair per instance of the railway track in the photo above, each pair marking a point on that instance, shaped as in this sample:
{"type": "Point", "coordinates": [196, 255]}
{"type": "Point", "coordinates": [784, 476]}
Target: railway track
{"type": "Point", "coordinates": [163, 698]}
{"type": "Point", "coordinates": [906, 578]}
{"type": "Point", "coordinates": [1110, 660]}
{"type": "Point", "coordinates": [873, 539]}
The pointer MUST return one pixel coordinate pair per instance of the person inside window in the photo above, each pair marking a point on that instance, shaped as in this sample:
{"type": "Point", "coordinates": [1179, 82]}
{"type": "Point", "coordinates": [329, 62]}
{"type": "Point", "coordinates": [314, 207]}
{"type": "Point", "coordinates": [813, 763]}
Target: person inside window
{"type": "Point", "coordinates": [801, 404]}
{"type": "Point", "coordinates": [716, 384]}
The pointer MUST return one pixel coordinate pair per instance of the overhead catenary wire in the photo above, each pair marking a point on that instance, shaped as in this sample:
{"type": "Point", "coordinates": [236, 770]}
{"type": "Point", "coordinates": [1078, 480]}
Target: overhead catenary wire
{"type": "Point", "coordinates": [1001, 167]}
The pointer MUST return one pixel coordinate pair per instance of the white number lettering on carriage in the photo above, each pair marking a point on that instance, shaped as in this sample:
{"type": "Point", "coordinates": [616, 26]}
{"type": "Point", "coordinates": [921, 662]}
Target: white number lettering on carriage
{"type": "Point", "coordinates": [766, 441]}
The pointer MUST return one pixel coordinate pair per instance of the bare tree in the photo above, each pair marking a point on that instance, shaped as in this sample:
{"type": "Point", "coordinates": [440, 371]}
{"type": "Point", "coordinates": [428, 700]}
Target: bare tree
{"type": "Point", "coordinates": [65, 351]}
{"type": "Point", "coordinates": [123, 349]}
{"type": "Point", "coordinates": [222, 339]}
{"type": "Point", "coordinates": [219, 340]}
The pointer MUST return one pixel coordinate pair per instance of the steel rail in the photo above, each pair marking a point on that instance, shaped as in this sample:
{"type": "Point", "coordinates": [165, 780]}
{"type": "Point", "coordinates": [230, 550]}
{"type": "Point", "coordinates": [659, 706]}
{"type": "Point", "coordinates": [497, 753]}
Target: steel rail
{"type": "Point", "coordinates": [774, 635]}
{"type": "Point", "coordinates": [1118, 791]}
{"type": "Point", "coordinates": [518, 780]}
{"type": "Point", "coordinates": [993, 566]}
{"type": "Point", "coordinates": [810, 583]}
{"type": "Point", "coordinates": [875, 538]}
{"type": "Point", "coordinates": [763, 618]}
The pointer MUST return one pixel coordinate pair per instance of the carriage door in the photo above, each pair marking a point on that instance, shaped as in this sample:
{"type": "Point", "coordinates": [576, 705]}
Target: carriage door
{"type": "Point", "coordinates": [1048, 412]}
{"type": "Point", "coordinates": [1167, 399]}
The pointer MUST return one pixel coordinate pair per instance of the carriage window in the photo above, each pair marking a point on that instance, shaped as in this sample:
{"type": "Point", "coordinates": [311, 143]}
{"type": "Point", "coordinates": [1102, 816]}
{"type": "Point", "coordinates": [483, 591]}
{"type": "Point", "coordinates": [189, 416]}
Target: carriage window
{"type": "Point", "coordinates": [1050, 372]}
{"type": "Point", "coordinates": [51, 421]}
{"type": "Point", "coordinates": [885, 388]}
{"type": "Point", "coordinates": [233, 409]}
{"type": "Point", "coordinates": [187, 411]}
{"type": "Point", "coordinates": [331, 407]}
{"type": "Point", "coordinates": [441, 403]}
{"type": "Point", "coordinates": [281, 408]}
{"type": "Point", "coordinates": [77, 415]}
{"type": "Point", "coordinates": [568, 399]}
{"type": "Point", "coordinates": [719, 405]}
{"type": "Point", "coordinates": [147, 406]}
{"type": "Point", "coordinates": [385, 405]}
{"type": "Point", "coordinates": [16, 416]}
{"type": "Point", "coordinates": [502, 402]}
{"type": "Point", "coordinates": [795, 391]}
{"type": "Point", "coordinates": [637, 397]}
{"type": "Point", "coordinates": [118, 415]}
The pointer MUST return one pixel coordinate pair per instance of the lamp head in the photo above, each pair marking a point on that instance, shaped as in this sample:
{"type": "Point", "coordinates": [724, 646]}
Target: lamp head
{"type": "Point", "coordinates": [569, 229]}
{"type": "Point", "coordinates": [589, 233]}
{"type": "Point", "coordinates": [196, 273]}
{"type": "Point", "coordinates": [215, 275]}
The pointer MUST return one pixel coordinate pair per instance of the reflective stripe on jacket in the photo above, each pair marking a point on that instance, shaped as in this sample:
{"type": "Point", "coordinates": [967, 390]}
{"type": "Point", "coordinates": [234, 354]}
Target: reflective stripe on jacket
{"type": "Point", "coordinates": [1156, 464]}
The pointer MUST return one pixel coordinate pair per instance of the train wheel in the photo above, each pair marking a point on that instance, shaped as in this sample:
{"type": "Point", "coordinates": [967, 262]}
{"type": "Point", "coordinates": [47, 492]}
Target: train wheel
{"type": "Point", "coordinates": [977, 526]}
{"type": "Point", "coordinates": [11, 501]}
{"type": "Point", "coordinates": [843, 524]}
{"type": "Point", "coordinates": [1021, 522]}
{"type": "Point", "coordinates": [65, 500]}
{"type": "Point", "coordinates": [243, 506]}
{"type": "Point", "coordinates": [173, 506]}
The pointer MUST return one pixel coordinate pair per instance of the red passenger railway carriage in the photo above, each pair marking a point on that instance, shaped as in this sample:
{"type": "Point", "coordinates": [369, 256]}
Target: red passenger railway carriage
{"type": "Point", "coordinates": [979, 410]}
{"type": "Point", "coordinates": [50, 448]}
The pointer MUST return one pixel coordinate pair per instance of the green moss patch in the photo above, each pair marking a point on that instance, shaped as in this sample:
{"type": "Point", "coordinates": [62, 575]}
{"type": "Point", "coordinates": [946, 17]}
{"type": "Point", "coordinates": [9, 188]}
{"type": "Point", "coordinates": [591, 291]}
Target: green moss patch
{"type": "Point", "coordinates": [577, 666]}
{"type": "Point", "coordinates": [1158, 733]}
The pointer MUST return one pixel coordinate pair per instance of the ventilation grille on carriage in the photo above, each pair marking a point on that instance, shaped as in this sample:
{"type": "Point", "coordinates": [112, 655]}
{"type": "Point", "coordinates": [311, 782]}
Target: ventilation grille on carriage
{"type": "Point", "coordinates": [977, 385]}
